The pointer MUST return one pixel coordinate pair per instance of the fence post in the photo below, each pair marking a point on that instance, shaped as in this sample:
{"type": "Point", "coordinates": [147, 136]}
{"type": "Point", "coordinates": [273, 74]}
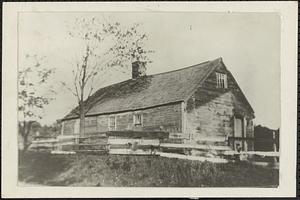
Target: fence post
{"type": "Point", "coordinates": [274, 146]}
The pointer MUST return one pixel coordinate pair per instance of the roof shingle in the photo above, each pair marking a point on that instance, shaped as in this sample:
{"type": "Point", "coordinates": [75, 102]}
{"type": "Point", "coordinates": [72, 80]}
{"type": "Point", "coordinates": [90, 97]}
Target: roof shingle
{"type": "Point", "coordinates": [148, 91]}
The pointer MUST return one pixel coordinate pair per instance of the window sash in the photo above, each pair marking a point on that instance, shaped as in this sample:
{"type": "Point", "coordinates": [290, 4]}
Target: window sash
{"type": "Point", "coordinates": [137, 119]}
{"type": "Point", "coordinates": [221, 80]}
{"type": "Point", "coordinates": [112, 123]}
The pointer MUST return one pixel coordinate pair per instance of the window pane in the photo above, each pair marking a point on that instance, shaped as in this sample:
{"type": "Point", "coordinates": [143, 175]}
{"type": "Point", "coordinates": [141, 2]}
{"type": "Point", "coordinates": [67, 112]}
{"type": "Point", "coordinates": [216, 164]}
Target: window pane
{"type": "Point", "coordinates": [112, 123]}
{"type": "Point", "coordinates": [221, 80]}
{"type": "Point", "coordinates": [137, 119]}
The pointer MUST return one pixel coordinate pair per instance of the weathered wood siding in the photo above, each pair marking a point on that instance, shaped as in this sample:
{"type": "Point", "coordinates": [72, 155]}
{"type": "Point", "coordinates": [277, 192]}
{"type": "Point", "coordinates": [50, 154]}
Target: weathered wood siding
{"type": "Point", "coordinates": [90, 125]}
{"type": "Point", "coordinates": [102, 123]}
{"type": "Point", "coordinates": [210, 85]}
{"type": "Point", "coordinates": [210, 111]}
{"type": "Point", "coordinates": [212, 119]}
{"type": "Point", "coordinates": [69, 127]}
{"type": "Point", "coordinates": [124, 121]}
{"type": "Point", "coordinates": [216, 119]}
{"type": "Point", "coordinates": [167, 118]}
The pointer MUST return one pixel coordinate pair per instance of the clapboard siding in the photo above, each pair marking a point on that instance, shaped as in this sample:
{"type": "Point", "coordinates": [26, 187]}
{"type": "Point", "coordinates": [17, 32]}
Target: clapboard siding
{"type": "Point", "coordinates": [124, 121]}
{"type": "Point", "coordinates": [90, 124]}
{"type": "Point", "coordinates": [211, 111]}
{"type": "Point", "coordinates": [212, 119]}
{"type": "Point", "coordinates": [68, 127]}
{"type": "Point", "coordinates": [215, 119]}
{"type": "Point", "coordinates": [102, 123]}
{"type": "Point", "coordinates": [165, 118]}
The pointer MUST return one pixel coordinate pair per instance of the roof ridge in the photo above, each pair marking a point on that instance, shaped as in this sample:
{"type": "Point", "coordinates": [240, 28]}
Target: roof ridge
{"type": "Point", "coordinates": [195, 65]}
{"type": "Point", "coordinates": [159, 73]}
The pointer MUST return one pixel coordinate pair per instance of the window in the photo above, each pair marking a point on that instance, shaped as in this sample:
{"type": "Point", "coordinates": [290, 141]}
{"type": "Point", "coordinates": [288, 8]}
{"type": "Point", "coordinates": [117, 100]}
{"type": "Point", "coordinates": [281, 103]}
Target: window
{"type": "Point", "coordinates": [221, 80]}
{"type": "Point", "coordinates": [137, 119]}
{"type": "Point", "coordinates": [112, 123]}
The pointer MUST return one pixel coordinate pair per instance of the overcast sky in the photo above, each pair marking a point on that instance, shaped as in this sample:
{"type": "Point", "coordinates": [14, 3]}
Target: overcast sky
{"type": "Point", "coordinates": [249, 44]}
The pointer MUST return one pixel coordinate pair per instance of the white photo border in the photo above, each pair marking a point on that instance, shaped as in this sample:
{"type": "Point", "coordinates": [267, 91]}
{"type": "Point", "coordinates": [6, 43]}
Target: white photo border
{"type": "Point", "coordinates": [288, 136]}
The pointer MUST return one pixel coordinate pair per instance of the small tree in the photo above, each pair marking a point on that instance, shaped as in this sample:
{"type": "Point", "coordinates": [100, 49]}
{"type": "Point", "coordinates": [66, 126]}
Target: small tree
{"type": "Point", "coordinates": [33, 94]}
{"type": "Point", "coordinates": [105, 45]}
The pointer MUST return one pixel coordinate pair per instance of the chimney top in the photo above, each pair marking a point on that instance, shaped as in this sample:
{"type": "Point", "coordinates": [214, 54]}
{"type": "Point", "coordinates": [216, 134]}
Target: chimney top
{"type": "Point", "coordinates": [138, 69]}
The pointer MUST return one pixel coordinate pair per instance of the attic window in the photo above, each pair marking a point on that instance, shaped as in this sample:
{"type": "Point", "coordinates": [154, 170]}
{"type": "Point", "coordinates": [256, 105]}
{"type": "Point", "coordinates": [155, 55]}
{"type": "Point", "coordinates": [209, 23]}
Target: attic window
{"type": "Point", "coordinates": [137, 119]}
{"type": "Point", "coordinates": [112, 123]}
{"type": "Point", "coordinates": [221, 80]}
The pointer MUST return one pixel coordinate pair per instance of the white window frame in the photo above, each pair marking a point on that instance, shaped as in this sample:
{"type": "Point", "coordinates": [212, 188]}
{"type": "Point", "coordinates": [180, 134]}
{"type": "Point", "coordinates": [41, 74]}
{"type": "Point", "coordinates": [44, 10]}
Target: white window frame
{"type": "Point", "coordinates": [112, 128]}
{"type": "Point", "coordinates": [135, 119]}
{"type": "Point", "coordinates": [221, 80]}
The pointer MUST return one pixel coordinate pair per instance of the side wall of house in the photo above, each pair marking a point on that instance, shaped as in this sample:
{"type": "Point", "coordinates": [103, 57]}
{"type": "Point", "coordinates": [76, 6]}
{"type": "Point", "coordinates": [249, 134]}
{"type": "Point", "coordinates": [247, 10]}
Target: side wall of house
{"type": "Point", "coordinates": [68, 127]}
{"type": "Point", "coordinates": [211, 112]}
{"type": "Point", "coordinates": [167, 118]}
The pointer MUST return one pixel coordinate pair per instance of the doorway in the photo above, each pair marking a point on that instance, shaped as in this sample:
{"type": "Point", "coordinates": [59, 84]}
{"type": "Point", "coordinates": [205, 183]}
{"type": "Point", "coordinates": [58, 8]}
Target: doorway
{"type": "Point", "coordinates": [239, 134]}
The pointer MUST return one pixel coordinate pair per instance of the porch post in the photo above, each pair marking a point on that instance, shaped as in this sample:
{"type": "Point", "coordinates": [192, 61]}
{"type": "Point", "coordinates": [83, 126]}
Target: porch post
{"type": "Point", "coordinates": [233, 134]}
{"type": "Point", "coordinates": [274, 146]}
{"type": "Point", "coordinates": [245, 147]}
{"type": "Point", "coordinates": [62, 128]}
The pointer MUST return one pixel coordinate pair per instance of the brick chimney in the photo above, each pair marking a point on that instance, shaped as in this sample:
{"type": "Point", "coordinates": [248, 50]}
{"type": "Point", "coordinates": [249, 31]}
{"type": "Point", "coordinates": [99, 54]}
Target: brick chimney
{"type": "Point", "coordinates": [138, 69]}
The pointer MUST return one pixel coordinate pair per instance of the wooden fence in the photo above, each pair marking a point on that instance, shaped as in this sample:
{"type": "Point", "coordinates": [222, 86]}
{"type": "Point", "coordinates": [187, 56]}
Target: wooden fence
{"type": "Point", "coordinates": [155, 143]}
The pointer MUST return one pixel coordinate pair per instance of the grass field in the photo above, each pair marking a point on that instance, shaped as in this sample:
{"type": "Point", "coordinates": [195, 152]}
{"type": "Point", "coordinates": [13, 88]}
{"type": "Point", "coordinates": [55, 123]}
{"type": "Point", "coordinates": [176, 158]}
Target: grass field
{"type": "Point", "coordinates": [136, 171]}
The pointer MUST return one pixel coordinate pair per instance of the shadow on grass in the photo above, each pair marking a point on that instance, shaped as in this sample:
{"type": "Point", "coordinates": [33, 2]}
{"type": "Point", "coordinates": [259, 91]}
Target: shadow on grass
{"type": "Point", "coordinates": [41, 167]}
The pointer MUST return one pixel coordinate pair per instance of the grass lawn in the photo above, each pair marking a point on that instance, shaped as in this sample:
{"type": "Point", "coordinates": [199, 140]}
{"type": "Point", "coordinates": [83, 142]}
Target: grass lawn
{"type": "Point", "coordinates": [136, 171]}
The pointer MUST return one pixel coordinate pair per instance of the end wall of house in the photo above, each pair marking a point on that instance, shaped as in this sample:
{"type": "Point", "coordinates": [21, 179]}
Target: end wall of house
{"type": "Point", "coordinates": [216, 119]}
{"type": "Point", "coordinates": [212, 119]}
{"type": "Point", "coordinates": [212, 112]}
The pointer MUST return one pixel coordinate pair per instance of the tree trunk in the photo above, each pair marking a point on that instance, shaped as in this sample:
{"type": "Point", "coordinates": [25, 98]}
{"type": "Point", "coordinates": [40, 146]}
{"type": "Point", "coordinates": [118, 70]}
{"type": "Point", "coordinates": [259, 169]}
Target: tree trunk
{"type": "Point", "coordinates": [82, 86]}
{"type": "Point", "coordinates": [82, 120]}
{"type": "Point", "coordinates": [25, 143]}
{"type": "Point", "coordinates": [22, 133]}
{"type": "Point", "coordinates": [25, 133]}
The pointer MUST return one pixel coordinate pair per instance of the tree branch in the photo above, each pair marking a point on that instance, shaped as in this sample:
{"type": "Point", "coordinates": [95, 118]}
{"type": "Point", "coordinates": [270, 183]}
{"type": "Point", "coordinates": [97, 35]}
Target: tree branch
{"type": "Point", "coordinates": [68, 88]}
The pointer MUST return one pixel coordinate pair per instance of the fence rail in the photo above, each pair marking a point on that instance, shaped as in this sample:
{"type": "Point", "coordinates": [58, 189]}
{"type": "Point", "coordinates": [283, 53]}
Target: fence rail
{"type": "Point", "coordinates": [112, 144]}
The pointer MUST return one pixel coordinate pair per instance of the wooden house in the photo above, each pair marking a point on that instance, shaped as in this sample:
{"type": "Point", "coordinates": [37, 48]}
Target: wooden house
{"type": "Point", "coordinates": [196, 103]}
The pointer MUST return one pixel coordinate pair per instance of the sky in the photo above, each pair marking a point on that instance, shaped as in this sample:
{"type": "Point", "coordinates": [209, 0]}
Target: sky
{"type": "Point", "coordinates": [249, 44]}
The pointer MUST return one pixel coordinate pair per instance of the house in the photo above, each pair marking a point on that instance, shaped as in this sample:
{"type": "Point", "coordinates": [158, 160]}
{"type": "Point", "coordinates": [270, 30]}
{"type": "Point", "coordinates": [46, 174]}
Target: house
{"type": "Point", "coordinates": [195, 103]}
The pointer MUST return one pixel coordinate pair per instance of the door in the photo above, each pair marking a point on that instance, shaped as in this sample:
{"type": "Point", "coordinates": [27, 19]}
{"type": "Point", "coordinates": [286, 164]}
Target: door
{"type": "Point", "coordinates": [238, 127]}
{"type": "Point", "coordinates": [238, 133]}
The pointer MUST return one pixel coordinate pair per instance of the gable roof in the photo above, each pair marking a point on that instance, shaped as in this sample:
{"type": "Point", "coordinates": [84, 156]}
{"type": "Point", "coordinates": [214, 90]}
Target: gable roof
{"type": "Point", "coordinates": [148, 91]}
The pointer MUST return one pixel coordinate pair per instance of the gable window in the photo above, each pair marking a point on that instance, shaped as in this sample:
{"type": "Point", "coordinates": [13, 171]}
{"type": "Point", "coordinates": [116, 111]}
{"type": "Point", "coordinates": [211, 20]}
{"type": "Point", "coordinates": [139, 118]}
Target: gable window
{"type": "Point", "coordinates": [112, 123]}
{"type": "Point", "coordinates": [221, 80]}
{"type": "Point", "coordinates": [137, 119]}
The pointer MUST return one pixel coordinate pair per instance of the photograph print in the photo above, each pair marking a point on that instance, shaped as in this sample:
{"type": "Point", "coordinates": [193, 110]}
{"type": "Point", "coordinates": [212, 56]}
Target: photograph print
{"type": "Point", "coordinates": [143, 99]}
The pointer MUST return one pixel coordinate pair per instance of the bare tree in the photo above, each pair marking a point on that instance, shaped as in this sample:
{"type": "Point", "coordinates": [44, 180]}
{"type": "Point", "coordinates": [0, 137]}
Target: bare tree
{"type": "Point", "coordinates": [105, 45]}
{"type": "Point", "coordinates": [33, 94]}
